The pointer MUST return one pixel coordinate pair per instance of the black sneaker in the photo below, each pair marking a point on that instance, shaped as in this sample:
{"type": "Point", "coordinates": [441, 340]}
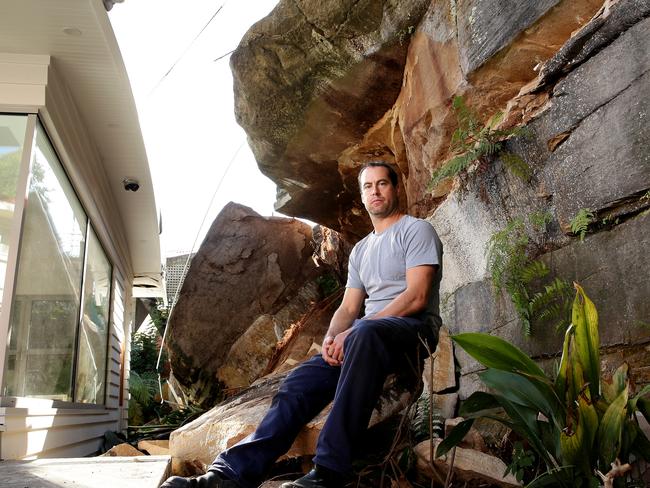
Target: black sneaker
{"type": "Point", "coordinates": [319, 477]}
{"type": "Point", "coordinates": [211, 479]}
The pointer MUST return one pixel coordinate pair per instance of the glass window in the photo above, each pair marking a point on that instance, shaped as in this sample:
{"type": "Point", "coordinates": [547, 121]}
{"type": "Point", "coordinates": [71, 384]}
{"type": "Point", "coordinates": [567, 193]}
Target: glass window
{"type": "Point", "coordinates": [45, 310]}
{"type": "Point", "coordinates": [93, 334]}
{"type": "Point", "coordinates": [12, 135]}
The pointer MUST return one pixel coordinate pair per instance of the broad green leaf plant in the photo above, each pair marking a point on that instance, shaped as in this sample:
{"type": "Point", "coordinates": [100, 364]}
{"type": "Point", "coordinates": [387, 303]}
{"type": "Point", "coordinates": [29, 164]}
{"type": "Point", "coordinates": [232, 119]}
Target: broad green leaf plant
{"type": "Point", "coordinates": [582, 427]}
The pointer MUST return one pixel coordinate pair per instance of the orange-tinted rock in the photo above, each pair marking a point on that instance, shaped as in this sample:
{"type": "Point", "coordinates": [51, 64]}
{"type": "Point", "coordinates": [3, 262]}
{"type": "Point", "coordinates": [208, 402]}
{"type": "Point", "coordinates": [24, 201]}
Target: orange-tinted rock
{"type": "Point", "coordinates": [316, 104]}
{"type": "Point", "coordinates": [310, 80]}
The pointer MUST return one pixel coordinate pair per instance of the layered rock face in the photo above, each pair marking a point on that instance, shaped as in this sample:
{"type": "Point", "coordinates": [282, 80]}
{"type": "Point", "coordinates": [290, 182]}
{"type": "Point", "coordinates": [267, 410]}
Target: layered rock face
{"type": "Point", "coordinates": [321, 87]}
{"type": "Point", "coordinates": [252, 278]}
{"type": "Point", "coordinates": [310, 80]}
{"type": "Point", "coordinates": [574, 72]}
{"type": "Point", "coordinates": [589, 150]}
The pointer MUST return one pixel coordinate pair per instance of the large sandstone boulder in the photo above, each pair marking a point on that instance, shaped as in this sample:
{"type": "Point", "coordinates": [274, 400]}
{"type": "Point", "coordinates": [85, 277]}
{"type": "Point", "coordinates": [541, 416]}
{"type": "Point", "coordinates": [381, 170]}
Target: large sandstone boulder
{"type": "Point", "coordinates": [469, 465]}
{"type": "Point", "coordinates": [310, 80]}
{"type": "Point", "coordinates": [321, 87]}
{"type": "Point", "coordinates": [252, 278]}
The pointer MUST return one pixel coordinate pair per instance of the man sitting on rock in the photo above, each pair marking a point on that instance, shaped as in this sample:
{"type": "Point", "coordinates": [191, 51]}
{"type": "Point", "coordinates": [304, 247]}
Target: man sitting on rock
{"type": "Point", "coordinates": [396, 269]}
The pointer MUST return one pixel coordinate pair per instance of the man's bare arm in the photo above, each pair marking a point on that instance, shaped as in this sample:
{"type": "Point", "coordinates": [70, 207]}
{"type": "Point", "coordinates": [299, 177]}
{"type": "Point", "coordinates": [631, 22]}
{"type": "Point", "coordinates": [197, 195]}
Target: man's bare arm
{"type": "Point", "coordinates": [340, 324]}
{"type": "Point", "coordinates": [416, 296]}
{"type": "Point", "coordinates": [411, 301]}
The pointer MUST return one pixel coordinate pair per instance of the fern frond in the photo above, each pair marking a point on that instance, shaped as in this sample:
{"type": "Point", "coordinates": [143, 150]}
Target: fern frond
{"type": "Point", "coordinates": [495, 120]}
{"type": "Point", "coordinates": [539, 219]}
{"type": "Point", "coordinates": [526, 327]}
{"type": "Point", "coordinates": [472, 140]}
{"type": "Point", "coordinates": [580, 223]}
{"type": "Point", "coordinates": [451, 168]}
{"type": "Point", "coordinates": [534, 270]}
{"type": "Point", "coordinates": [513, 270]}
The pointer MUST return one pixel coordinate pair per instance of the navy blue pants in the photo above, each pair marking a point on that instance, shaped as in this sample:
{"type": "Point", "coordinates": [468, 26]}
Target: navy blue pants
{"type": "Point", "coordinates": [372, 350]}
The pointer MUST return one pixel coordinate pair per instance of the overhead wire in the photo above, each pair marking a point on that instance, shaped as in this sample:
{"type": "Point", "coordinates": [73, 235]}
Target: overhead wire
{"type": "Point", "coordinates": [189, 46]}
{"type": "Point", "coordinates": [187, 261]}
{"type": "Point", "coordinates": [223, 176]}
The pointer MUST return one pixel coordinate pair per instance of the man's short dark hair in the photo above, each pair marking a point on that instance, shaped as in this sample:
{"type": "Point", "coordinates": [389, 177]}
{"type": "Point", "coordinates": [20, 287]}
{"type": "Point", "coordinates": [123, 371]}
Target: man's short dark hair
{"type": "Point", "coordinates": [392, 174]}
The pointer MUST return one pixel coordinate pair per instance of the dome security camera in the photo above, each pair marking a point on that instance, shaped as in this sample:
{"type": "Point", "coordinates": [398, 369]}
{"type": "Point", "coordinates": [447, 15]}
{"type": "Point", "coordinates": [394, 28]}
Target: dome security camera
{"type": "Point", "coordinates": [130, 184]}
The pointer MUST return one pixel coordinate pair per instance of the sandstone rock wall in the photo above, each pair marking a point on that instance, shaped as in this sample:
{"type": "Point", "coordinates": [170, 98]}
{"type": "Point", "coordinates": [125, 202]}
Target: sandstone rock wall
{"type": "Point", "coordinates": [588, 150]}
{"type": "Point", "coordinates": [574, 71]}
{"type": "Point", "coordinates": [322, 86]}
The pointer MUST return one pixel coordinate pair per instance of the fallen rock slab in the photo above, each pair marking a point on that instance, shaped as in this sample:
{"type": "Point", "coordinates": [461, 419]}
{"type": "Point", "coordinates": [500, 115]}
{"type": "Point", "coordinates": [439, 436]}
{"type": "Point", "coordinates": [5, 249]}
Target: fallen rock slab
{"type": "Point", "coordinates": [469, 465]}
{"type": "Point", "coordinates": [154, 447]}
{"type": "Point", "coordinates": [443, 375]}
{"type": "Point", "coordinates": [199, 442]}
{"type": "Point", "coordinates": [122, 450]}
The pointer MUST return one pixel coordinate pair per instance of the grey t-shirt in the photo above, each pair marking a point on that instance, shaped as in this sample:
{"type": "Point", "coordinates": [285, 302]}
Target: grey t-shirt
{"type": "Point", "coordinates": [378, 264]}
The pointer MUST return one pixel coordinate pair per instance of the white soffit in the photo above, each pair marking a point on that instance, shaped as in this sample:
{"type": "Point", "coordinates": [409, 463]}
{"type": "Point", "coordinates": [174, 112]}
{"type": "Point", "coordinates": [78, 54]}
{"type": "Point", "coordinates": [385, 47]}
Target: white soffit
{"type": "Point", "coordinates": [78, 35]}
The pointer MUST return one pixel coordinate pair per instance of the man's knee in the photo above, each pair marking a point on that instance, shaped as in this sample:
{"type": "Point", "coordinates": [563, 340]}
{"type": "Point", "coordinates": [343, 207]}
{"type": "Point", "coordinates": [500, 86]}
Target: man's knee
{"type": "Point", "coordinates": [365, 333]}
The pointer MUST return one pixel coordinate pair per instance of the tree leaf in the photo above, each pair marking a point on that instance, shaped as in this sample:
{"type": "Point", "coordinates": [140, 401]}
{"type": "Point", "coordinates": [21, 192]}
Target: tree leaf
{"type": "Point", "coordinates": [639, 400]}
{"type": "Point", "coordinates": [611, 426]}
{"type": "Point", "coordinates": [494, 352]}
{"type": "Point", "coordinates": [561, 382]}
{"type": "Point", "coordinates": [587, 342]}
{"type": "Point", "coordinates": [643, 405]}
{"type": "Point", "coordinates": [477, 402]}
{"type": "Point", "coordinates": [454, 438]}
{"type": "Point", "coordinates": [613, 387]}
{"type": "Point", "coordinates": [520, 390]}
{"type": "Point", "coordinates": [524, 422]}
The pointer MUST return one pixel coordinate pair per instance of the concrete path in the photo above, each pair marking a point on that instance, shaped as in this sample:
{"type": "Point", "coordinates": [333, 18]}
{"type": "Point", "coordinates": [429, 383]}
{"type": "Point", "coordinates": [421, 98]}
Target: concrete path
{"type": "Point", "coordinates": [95, 472]}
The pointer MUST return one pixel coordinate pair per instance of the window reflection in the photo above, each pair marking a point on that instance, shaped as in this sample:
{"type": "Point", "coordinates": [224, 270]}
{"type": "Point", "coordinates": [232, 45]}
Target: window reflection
{"type": "Point", "coordinates": [12, 134]}
{"type": "Point", "coordinates": [45, 311]}
{"type": "Point", "coordinates": [93, 335]}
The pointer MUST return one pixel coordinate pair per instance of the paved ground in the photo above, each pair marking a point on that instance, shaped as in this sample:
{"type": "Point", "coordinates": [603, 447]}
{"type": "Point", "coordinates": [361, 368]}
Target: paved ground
{"type": "Point", "coordinates": [96, 472]}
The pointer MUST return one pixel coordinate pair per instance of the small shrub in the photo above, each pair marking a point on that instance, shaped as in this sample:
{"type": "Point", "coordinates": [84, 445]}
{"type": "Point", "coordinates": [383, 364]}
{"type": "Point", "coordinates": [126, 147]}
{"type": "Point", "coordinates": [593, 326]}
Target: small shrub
{"type": "Point", "coordinates": [522, 460]}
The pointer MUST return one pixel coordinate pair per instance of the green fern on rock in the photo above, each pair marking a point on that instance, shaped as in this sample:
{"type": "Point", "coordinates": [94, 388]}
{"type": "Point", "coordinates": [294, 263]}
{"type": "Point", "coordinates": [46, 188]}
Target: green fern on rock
{"type": "Point", "coordinates": [526, 280]}
{"type": "Point", "coordinates": [472, 142]}
{"type": "Point", "coordinates": [580, 223]}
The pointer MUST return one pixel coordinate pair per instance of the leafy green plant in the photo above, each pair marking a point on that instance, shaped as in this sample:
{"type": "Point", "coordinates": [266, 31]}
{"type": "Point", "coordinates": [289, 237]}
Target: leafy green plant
{"type": "Point", "coordinates": [580, 223]}
{"type": "Point", "coordinates": [539, 220]}
{"type": "Point", "coordinates": [522, 459]}
{"type": "Point", "coordinates": [472, 142]}
{"type": "Point", "coordinates": [159, 315]}
{"type": "Point", "coordinates": [142, 387]}
{"type": "Point", "coordinates": [580, 425]}
{"type": "Point", "coordinates": [526, 280]}
{"type": "Point", "coordinates": [144, 351]}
